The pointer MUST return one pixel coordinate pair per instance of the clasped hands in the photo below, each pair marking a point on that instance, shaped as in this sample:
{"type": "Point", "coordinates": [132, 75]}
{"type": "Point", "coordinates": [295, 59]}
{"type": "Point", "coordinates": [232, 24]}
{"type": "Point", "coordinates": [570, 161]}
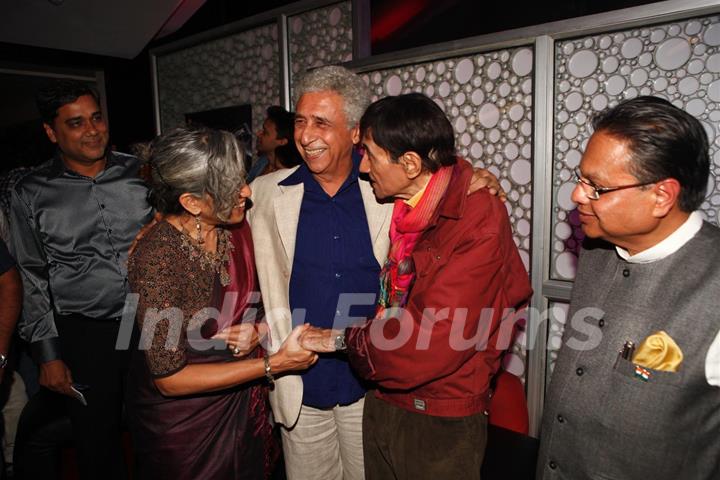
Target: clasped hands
{"type": "Point", "coordinates": [320, 340]}
{"type": "Point", "coordinates": [298, 351]}
{"type": "Point", "coordinates": [241, 339]}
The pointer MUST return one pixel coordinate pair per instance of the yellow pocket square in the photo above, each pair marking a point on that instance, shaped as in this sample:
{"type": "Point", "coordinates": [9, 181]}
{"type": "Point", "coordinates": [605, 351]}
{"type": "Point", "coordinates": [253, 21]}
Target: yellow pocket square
{"type": "Point", "coordinates": [659, 352]}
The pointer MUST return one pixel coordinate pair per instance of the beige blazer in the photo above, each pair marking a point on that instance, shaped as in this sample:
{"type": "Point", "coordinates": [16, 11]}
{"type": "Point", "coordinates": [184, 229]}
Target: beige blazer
{"type": "Point", "coordinates": [274, 220]}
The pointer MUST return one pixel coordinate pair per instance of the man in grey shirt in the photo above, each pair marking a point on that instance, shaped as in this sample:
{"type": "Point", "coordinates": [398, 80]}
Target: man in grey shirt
{"type": "Point", "coordinates": [72, 222]}
{"type": "Point", "coordinates": [636, 389]}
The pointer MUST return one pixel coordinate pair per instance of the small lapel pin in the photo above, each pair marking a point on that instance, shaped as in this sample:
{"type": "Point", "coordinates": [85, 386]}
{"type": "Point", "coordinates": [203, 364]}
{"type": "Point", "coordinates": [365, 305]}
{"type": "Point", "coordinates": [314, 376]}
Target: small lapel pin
{"type": "Point", "coordinates": [642, 373]}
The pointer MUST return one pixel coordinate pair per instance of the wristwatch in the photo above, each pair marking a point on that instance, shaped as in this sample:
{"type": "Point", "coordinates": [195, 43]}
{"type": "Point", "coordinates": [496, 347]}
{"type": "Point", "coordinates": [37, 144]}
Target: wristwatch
{"type": "Point", "coordinates": [3, 360]}
{"type": "Point", "coordinates": [340, 344]}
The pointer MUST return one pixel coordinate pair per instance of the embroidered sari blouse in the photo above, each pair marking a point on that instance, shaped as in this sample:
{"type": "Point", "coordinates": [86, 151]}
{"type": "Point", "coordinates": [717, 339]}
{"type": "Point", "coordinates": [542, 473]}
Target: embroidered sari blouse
{"type": "Point", "coordinates": [172, 289]}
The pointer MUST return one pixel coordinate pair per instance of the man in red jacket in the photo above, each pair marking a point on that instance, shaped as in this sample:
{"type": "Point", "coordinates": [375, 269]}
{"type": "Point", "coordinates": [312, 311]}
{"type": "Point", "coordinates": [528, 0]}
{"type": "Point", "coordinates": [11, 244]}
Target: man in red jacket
{"type": "Point", "coordinates": [448, 293]}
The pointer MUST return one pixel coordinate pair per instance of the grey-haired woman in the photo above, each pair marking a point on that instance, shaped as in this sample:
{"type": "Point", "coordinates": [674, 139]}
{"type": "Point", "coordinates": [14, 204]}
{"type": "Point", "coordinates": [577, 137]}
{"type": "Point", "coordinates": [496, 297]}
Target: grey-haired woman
{"type": "Point", "coordinates": [196, 404]}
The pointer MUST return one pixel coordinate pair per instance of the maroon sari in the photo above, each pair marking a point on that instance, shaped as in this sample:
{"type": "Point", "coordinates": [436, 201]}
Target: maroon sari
{"type": "Point", "coordinates": [216, 435]}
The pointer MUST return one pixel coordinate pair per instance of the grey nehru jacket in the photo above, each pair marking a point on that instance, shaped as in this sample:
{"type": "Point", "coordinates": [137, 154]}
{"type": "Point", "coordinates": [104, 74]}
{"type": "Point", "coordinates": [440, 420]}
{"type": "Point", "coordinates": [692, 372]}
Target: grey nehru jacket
{"type": "Point", "coordinates": [70, 235]}
{"type": "Point", "coordinates": [603, 422]}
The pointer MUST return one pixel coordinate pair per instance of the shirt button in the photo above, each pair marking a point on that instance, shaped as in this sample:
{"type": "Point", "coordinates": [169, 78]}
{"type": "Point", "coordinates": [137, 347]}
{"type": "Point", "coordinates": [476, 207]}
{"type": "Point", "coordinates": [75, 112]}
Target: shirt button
{"type": "Point", "coordinates": [601, 323]}
{"type": "Point", "coordinates": [102, 205]}
{"type": "Point", "coordinates": [109, 230]}
{"type": "Point", "coordinates": [626, 273]}
{"type": "Point", "coordinates": [579, 371]}
{"type": "Point", "coordinates": [337, 275]}
{"type": "Point", "coordinates": [336, 237]}
{"type": "Point", "coordinates": [552, 464]}
{"type": "Point", "coordinates": [561, 419]}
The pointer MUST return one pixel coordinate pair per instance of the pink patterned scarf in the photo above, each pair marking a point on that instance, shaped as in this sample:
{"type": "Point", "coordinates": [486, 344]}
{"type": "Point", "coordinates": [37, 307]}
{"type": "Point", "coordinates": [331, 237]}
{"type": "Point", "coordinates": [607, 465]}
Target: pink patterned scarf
{"type": "Point", "coordinates": [408, 224]}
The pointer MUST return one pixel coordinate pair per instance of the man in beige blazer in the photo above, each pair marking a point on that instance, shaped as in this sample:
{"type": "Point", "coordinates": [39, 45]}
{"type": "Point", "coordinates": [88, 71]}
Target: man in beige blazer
{"type": "Point", "coordinates": [319, 443]}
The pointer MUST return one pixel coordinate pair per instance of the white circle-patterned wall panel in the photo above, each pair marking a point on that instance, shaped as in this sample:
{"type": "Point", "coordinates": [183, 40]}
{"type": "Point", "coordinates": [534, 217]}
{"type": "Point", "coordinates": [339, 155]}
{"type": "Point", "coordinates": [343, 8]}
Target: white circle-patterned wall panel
{"type": "Point", "coordinates": [557, 318]}
{"type": "Point", "coordinates": [239, 69]}
{"type": "Point", "coordinates": [320, 37]}
{"type": "Point", "coordinates": [488, 99]}
{"type": "Point", "coordinates": [678, 61]}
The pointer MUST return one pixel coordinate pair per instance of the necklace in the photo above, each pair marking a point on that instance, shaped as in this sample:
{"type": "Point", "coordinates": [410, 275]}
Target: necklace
{"type": "Point", "coordinates": [216, 261]}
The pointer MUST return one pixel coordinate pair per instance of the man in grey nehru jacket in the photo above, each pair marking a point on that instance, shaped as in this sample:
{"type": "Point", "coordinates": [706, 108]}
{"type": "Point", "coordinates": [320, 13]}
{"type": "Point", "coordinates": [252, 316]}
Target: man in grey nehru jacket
{"type": "Point", "coordinates": [636, 389]}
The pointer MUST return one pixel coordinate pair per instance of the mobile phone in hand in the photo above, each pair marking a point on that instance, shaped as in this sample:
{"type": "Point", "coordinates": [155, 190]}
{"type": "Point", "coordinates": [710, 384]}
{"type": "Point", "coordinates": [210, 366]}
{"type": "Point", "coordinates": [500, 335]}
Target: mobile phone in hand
{"type": "Point", "coordinates": [78, 389]}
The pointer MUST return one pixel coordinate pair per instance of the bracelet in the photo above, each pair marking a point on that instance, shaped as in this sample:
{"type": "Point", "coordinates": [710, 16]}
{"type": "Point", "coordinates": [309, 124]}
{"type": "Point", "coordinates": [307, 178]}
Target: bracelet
{"type": "Point", "coordinates": [268, 371]}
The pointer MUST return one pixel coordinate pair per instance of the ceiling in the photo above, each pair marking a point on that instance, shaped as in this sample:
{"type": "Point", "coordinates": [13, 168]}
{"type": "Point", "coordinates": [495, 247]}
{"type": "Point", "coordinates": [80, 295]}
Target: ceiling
{"type": "Point", "coordinates": [115, 28]}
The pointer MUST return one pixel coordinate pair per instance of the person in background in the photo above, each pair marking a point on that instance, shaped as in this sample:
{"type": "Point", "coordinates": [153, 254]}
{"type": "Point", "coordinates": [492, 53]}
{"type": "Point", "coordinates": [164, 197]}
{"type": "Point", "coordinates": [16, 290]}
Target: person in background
{"type": "Point", "coordinates": [72, 220]}
{"type": "Point", "coordinates": [635, 392]}
{"type": "Point", "coordinates": [455, 274]}
{"type": "Point", "coordinates": [195, 406]}
{"type": "Point", "coordinates": [275, 144]}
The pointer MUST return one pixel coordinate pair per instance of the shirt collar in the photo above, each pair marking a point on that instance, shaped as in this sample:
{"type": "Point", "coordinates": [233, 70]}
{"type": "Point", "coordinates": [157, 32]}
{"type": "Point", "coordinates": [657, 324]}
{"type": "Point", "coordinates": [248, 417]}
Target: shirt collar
{"type": "Point", "coordinates": [58, 167]}
{"type": "Point", "coordinates": [298, 176]}
{"type": "Point", "coordinates": [671, 244]}
{"type": "Point", "coordinates": [415, 199]}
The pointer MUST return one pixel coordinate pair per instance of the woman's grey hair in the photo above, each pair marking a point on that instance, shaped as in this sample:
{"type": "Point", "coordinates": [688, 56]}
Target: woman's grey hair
{"type": "Point", "coordinates": [348, 85]}
{"type": "Point", "coordinates": [198, 161]}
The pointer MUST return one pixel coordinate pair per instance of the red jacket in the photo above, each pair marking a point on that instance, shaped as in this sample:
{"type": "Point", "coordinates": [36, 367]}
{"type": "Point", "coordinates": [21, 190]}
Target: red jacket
{"type": "Point", "coordinates": [465, 260]}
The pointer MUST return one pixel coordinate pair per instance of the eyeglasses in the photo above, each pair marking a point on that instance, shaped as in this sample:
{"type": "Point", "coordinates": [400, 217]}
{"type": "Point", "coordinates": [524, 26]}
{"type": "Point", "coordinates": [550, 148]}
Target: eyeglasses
{"type": "Point", "coordinates": [593, 192]}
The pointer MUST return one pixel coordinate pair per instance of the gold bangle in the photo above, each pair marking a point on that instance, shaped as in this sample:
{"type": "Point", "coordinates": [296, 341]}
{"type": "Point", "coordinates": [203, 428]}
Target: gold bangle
{"type": "Point", "coordinates": [268, 371]}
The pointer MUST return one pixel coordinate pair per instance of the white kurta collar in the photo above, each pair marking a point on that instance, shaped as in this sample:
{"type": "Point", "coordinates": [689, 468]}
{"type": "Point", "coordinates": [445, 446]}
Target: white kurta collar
{"type": "Point", "coordinates": [671, 244]}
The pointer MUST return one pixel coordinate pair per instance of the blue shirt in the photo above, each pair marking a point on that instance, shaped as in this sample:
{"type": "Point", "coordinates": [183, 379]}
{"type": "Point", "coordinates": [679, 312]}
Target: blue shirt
{"type": "Point", "coordinates": [333, 255]}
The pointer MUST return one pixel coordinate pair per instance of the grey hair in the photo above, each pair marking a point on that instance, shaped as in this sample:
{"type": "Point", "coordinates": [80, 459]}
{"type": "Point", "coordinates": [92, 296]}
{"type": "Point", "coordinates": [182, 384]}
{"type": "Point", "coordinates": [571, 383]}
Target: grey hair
{"type": "Point", "coordinates": [196, 161]}
{"type": "Point", "coordinates": [348, 85]}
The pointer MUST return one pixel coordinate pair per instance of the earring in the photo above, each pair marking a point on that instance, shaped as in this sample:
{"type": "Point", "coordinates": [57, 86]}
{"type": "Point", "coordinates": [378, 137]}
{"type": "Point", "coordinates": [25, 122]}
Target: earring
{"type": "Point", "coordinates": [200, 239]}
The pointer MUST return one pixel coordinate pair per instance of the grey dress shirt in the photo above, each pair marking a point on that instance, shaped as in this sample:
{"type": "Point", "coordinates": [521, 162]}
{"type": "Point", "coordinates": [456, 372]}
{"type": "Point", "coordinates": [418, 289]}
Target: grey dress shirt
{"type": "Point", "coordinates": [70, 235]}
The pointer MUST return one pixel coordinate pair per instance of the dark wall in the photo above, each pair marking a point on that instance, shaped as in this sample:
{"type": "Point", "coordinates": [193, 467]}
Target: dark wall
{"type": "Point", "coordinates": [401, 24]}
{"type": "Point", "coordinates": [127, 84]}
